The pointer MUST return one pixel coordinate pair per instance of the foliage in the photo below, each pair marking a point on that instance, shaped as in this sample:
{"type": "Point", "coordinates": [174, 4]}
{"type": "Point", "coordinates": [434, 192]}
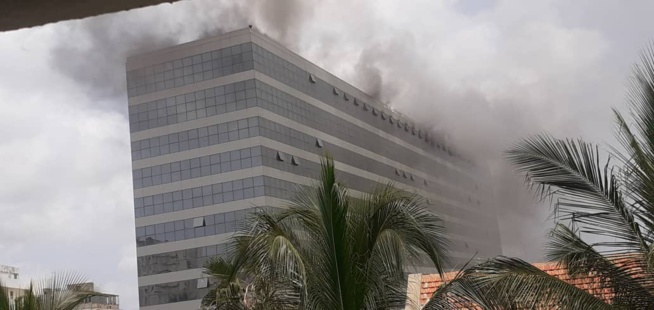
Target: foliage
{"type": "Point", "coordinates": [327, 250]}
{"type": "Point", "coordinates": [54, 293]}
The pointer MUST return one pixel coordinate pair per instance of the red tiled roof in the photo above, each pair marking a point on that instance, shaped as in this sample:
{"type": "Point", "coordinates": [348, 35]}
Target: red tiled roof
{"type": "Point", "coordinates": [431, 282]}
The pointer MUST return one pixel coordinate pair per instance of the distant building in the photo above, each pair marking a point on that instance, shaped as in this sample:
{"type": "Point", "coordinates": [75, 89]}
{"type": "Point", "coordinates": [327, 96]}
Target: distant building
{"type": "Point", "coordinates": [104, 302]}
{"type": "Point", "coordinates": [222, 125]}
{"type": "Point", "coordinates": [10, 280]}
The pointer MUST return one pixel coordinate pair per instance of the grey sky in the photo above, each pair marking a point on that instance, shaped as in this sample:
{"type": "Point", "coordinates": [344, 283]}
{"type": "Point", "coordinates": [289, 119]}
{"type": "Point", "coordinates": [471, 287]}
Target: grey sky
{"type": "Point", "coordinates": [485, 72]}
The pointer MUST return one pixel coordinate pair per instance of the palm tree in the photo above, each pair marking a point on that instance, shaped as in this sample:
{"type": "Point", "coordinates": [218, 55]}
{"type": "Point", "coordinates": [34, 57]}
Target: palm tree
{"type": "Point", "coordinates": [59, 292]}
{"type": "Point", "coordinates": [606, 196]}
{"type": "Point", "coordinates": [327, 250]}
{"type": "Point", "coordinates": [239, 291]}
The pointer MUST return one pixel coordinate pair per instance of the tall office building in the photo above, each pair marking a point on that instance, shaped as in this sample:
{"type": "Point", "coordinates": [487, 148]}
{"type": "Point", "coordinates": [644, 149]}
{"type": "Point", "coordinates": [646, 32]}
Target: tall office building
{"type": "Point", "coordinates": [221, 125]}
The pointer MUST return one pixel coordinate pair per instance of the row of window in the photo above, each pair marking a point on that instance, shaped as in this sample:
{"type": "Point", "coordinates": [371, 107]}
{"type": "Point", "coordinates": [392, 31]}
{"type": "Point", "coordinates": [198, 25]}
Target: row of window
{"type": "Point", "coordinates": [195, 105]}
{"type": "Point", "coordinates": [209, 225]}
{"type": "Point", "coordinates": [197, 167]}
{"type": "Point", "coordinates": [178, 260]}
{"type": "Point", "coordinates": [174, 292]}
{"type": "Point", "coordinates": [213, 194]}
{"type": "Point", "coordinates": [195, 138]}
{"type": "Point", "coordinates": [190, 70]}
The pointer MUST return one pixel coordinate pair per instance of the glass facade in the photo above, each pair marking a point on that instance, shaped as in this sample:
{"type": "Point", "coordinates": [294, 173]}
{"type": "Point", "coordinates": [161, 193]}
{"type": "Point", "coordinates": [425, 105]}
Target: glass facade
{"type": "Point", "coordinates": [222, 143]}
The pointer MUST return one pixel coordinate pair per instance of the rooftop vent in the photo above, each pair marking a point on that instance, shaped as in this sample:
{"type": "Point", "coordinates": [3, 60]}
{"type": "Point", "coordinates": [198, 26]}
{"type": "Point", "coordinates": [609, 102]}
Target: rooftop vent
{"type": "Point", "coordinates": [312, 78]}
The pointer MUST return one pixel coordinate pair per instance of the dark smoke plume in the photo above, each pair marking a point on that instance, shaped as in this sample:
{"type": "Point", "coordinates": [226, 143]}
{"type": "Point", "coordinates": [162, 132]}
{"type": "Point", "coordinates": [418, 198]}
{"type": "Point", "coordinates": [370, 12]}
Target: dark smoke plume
{"type": "Point", "coordinates": [93, 51]}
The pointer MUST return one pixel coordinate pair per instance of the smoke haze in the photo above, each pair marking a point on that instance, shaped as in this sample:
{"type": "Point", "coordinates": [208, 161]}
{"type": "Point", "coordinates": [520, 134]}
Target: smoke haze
{"type": "Point", "coordinates": [482, 96]}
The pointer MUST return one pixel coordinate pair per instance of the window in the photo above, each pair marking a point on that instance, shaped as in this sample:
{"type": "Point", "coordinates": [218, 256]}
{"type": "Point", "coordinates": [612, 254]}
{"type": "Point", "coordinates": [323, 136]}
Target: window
{"type": "Point", "coordinates": [318, 143]}
{"type": "Point", "coordinates": [374, 111]}
{"type": "Point", "coordinates": [198, 222]}
{"type": "Point", "coordinates": [356, 102]}
{"type": "Point", "coordinates": [295, 161]}
{"type": "Point", "coordinates": [365, 107]}
{"type": "Point", "coordinates": [336, 92]}
{"type": "Point", "coordinates": [412, 177]}
{"type": "Point", "coordinates": [280, 156]}
{"type": "Point", "coordinates": [203, 283]}
{"type": "Point", "coordinates": [425, 181]}
{"type": "Point", "coordinates": [346, 97]}
{"type": "Point", "coordinates": [312, 78]}
{"type": "Point", "coordinates": [390, 119]}
{"type": "Point", "coordinates": [397, 172]}
{"type": "Point", "coordinates": [383, 115]}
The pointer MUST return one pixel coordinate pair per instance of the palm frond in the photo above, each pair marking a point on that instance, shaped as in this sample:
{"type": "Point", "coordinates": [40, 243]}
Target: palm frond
{"type": "Point", "coordinates": [639, 142]}
{"type": "Point", "coordinates": [511, 283]}
{"type": "Point", "coordinates": [641, 98]}
{"type": "Point", "coordinates": [629, 283]}
{"type": "Point", "coordinates": [460, 292]}
{"type": "Point", "coordinates": [61, 291]}
{"type": "Point", "coordinates": [4, 298]}
{"type": "Point", "coordinates": [586, 191]}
